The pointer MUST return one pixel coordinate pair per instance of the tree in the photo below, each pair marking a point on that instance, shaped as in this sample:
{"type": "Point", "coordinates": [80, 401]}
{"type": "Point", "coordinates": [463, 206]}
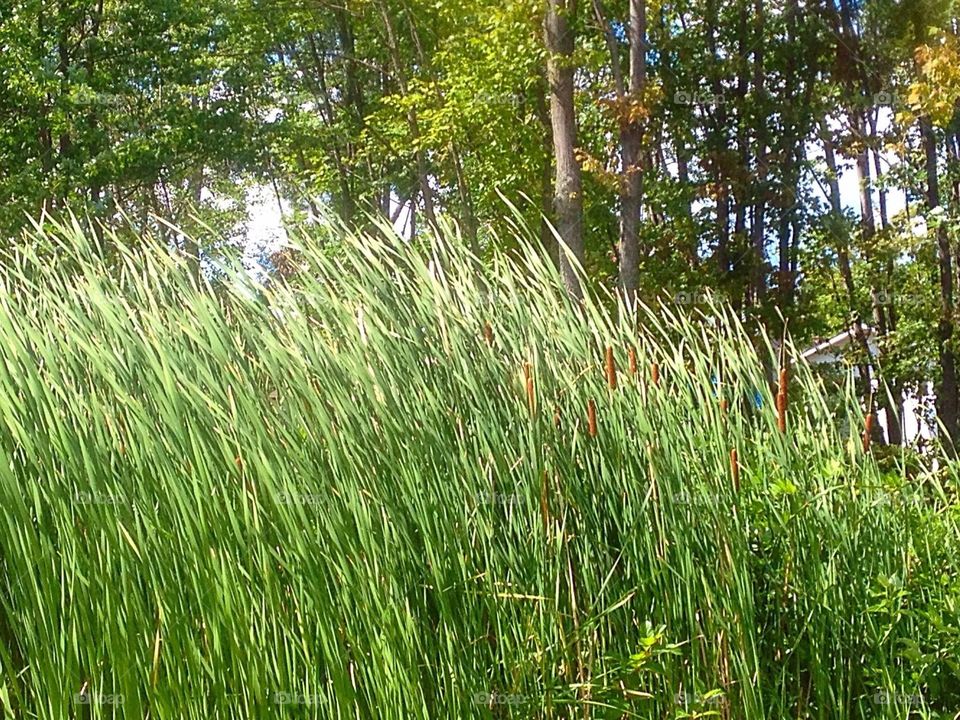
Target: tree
{"type": "Point", "coordinates": [568, 187]}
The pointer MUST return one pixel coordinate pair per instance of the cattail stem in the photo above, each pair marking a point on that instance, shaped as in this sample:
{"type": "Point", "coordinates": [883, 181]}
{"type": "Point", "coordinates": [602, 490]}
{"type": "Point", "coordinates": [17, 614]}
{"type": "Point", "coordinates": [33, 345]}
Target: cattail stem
{"type": "Point", "coordinates": [611, 369]}
{"type": "Point", "coordinates": [592, 418]}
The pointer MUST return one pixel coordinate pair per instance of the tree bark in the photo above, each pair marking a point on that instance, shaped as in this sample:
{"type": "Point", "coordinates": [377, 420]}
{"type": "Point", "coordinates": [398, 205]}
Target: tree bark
{"type": "Point", "coordinates": [884, 311]}
{"type": "Point", "coordinates": [345, 204]}
{"type": "Point", "coordinates": [757, 225]}
{"type": "Point", "coordinates": [857, 84]}
{"type": "Point", "coordinates": [568, 190]}
{"type": "Point", "coordinates": [631, 134]}
{"type": "Point", "coordinates": [947, 399]}
{"type": "Point", "coordinates": [420, 157]}
{"type": "Point", "coordinates": [843, 260]}
{"type": "Point", "coordinates": [468, 221]}
{"type": "Point", "coordinates": [718, 147]}
{"type": "Point", "coordinates": [546, 173]}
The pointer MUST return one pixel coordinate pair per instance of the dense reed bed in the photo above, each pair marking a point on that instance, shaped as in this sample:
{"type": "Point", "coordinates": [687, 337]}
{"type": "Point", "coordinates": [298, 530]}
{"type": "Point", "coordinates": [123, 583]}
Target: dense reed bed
{"type": "Point", "coordinates": [405, 484]}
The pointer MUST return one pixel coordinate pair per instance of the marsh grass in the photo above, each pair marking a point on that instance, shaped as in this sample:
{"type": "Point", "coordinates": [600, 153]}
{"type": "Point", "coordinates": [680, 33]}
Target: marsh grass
{"type": "Point", "coordinates": [405, 484]}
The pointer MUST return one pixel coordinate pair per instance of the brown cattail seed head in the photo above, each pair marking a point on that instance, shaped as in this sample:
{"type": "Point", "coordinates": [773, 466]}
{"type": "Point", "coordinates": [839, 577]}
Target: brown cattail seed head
{"type": "Point", "coordinates": [735, 469]}
{"type": "Point", "coordinates": [867, 432]}
{"type": "Point", "coordinates": [782, 413]}
{"type": "Point", "coordinates": [782, 386]}
{"type": "Point", "coordinates": [488, 333]}
{"type": "Point", "coordinates": [611, 370]}
{"type": "Point", "coordinates": [592, 418]}
{"type": "Point", "coordinates": [632, 357]}
{"type": "Point", "coordinates": [723, 406]}
{"type": "Point", "coordinates": [544, 502]}
{"type": "Point", "coordinates": [528, 382]}
{"type": "Point", "coordinates": [655, 374]}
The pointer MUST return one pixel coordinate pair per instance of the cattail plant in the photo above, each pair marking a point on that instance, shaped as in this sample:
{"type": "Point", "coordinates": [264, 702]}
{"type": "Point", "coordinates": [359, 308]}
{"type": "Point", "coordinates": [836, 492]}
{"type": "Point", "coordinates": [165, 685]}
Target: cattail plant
{"type": "Point", "coordinates": [868, 430]}
{"type": "Point", "coordinates": [392, 537]}
{"type": "Point", "coordinates": [528, 384]}
{"type": "Point", "coordinates": [544, 502]}
{"type": "Point", "coordinates": [735, 469]}
{"type": "Point", "coordinates": [632, 361]}
{"type": "Point", "coordinates": [782, 401]}
{"type": "Point", "coordinates": [611, 369]}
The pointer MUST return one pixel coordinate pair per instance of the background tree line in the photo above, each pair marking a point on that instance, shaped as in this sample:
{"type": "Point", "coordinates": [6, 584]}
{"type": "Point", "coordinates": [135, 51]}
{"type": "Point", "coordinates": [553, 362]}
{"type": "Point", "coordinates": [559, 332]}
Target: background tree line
{"type": "Point", "coordinates": [676, 146]}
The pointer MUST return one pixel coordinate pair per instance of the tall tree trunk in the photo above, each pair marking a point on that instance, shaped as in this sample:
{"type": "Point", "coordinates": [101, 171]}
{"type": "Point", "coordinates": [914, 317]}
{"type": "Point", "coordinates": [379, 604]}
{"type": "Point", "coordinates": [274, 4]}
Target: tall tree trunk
{"type": "Point", "coordinates": [954, 152]}
{"type": "Point", "coordinates": [568, 191]}
{"type": "Point", "coordinates": [631, 180]}
{"type": "Point", "coordinates": [191, 247]}
{"type": "Point", "coordinates": [345, 203]}
{"type": "Point", "coordinates": [868, 231]}
{"type": "Point", "coordinates": [741, 191]}
{"type": "Point", "coordinates": [718, 147]}
{"type": "Point", "coordinates": [868, 224]}
{"type": "Point", "coordinates": [420, 157]}
{"type": "Point", "coordinates": [468, 222]}
{"type": "Point", "coordinates": [631, 133]}
{"type": "Point", "coordinates": [95, 189]}
{"type": "Point", "coordinates": [546, 173]}
{"type": "Point", "coordinates": [841, 246]}
{"type": "Point", "coordinates": [64, 141]}
{"type": "Point", "coordinates": [44, 134]}
{"type": "Point", "coordinates": [792, 147]}
{"type": "Point", "coordinates": [355, 105]}
{"type": "Point", "coordinates": [857, 84]}
{"type": "Point", "coordinates": [947, 399]}
{"type": "Point", "coordinates": [884, 315]}
{"type": "Point", "coordinates": [757, 225]}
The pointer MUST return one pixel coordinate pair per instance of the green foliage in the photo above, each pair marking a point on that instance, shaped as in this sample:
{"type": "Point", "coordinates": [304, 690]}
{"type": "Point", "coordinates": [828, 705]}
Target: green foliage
{"type": "Point", "coordinates": [125, 110]}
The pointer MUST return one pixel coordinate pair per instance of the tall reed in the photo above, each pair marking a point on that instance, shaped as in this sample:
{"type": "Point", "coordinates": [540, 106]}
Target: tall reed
{"type": "Point", "coordinates": [329, 497]}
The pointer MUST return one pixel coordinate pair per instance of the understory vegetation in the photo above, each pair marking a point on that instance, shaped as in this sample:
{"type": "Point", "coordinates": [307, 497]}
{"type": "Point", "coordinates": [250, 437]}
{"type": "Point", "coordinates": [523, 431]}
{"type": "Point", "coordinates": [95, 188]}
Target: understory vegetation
{"type": "Point", "coordinates": [404, 483]}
